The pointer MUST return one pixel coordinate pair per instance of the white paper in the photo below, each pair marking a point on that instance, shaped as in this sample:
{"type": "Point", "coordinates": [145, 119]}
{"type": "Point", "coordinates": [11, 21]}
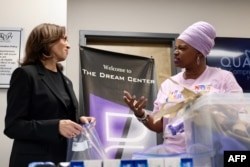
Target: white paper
{"type": "Point", "coordinates": [80, 146]}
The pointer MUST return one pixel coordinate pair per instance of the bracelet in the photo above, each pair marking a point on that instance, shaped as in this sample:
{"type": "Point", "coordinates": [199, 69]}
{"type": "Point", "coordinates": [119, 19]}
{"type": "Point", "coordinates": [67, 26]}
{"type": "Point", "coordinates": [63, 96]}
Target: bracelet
{"type": "Point", "coordinates": [144, 118]}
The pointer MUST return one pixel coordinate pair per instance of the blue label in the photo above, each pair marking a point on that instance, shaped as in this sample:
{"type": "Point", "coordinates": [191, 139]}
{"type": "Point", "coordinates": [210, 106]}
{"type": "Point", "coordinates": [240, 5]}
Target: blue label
{"type": "Point", "coordinates": [134, 163]}
{"type": "Point", "coordinates": [186, 162]}
{"type": "Point", "coordinates": [76, 164]}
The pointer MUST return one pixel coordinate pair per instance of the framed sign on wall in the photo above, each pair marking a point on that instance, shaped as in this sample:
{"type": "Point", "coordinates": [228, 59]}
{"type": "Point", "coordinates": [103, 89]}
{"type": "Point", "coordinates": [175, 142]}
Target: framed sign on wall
{"type": "Point", "coordinates": [10, 49]}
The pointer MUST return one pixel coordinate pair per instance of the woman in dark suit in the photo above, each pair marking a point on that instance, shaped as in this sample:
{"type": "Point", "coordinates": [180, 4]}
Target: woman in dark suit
{"type": "Point", "coordinates": [42, 109]}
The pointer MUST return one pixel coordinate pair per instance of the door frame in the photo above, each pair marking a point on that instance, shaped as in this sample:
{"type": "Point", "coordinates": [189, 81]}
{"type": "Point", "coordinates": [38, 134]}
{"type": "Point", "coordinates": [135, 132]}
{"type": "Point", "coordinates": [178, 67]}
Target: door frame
{"type": "Point", "coordinates": [118, 36]}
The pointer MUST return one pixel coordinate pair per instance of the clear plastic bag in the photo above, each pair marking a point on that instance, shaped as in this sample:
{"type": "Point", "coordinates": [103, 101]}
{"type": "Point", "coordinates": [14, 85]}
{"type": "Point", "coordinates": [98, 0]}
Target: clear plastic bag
{"type": "Point", "coordinates": [86, 145]}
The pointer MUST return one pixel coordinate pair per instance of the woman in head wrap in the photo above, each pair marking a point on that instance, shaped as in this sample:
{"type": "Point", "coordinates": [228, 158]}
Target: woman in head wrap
{"type": "Point", "coordinates": [191, 48]}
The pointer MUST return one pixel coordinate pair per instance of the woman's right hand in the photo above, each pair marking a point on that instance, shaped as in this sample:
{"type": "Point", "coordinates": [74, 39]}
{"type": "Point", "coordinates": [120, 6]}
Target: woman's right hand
{"type": "Point", "coordinates": [69, 129]}
{"type": "Point", "coordinates": [137, 106]}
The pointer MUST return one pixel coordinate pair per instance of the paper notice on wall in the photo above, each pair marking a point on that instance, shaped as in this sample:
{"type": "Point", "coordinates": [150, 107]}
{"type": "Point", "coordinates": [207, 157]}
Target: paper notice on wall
{"type": "Point", "coordinates": [10, 46]}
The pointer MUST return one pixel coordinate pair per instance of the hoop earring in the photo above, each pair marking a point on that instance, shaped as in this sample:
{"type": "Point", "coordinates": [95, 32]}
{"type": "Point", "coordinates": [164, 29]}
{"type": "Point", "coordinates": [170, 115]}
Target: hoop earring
{"type": "Point", "coordinates": [198, 60]}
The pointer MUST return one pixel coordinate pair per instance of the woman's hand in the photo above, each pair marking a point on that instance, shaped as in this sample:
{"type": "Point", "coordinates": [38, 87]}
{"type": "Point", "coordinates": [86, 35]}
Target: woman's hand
{"type": "Point", "coordinates": [69, 129]}
{"type": "Point", "coordinates": [86, 120]}
{"type": "Point", "coordinates": [135, 105]}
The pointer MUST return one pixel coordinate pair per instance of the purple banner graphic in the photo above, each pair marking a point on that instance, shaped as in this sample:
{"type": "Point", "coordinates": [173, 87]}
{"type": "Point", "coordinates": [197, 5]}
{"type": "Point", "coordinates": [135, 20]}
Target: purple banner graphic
{"type": "Point", "coordinates": [104, 77]}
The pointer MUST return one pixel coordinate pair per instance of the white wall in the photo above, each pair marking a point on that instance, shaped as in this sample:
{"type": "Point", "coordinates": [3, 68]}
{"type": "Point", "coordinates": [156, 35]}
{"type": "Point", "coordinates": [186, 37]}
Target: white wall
{"type": "Point", "coordinates": [229, 17]}
{"type": "Point", "coordinates": [25, 14]}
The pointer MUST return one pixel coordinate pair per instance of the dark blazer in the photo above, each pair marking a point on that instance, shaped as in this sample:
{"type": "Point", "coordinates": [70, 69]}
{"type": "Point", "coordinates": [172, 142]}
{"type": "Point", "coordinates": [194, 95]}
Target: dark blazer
{"type": "Point", "coordinates": [34, 108]}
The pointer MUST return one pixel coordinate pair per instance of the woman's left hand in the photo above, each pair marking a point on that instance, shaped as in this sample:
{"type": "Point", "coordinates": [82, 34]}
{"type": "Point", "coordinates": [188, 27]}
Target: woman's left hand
{"type": "Point", "coordinates": [86, 120]}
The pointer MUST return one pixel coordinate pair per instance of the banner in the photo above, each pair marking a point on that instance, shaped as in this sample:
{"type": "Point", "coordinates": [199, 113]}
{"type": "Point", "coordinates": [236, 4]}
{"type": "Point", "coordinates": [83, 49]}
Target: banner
{"type": "Point", "coordinates": [232, 54]}
{"type": "Point", "coordinates": [104, 77]}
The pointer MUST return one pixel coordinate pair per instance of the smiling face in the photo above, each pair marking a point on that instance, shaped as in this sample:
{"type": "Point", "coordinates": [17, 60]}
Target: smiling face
{"type": "Point", "coordinates": [60, 49]}
{"type": "Point", "coordinates": [185, 56]}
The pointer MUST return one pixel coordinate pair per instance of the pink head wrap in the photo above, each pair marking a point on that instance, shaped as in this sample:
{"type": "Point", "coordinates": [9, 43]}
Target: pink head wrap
{"type": "Point", "coordinates": [200, 36]}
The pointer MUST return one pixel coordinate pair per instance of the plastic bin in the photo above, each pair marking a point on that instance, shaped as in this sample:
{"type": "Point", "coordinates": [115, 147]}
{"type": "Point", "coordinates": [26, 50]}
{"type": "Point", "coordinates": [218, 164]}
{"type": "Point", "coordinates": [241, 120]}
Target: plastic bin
{"type": "Point", "coordinates": [201, 159]}
{"type": "Point", "coordinates": [159, 151]}
{"type": "Point", "coordinates": [216, 123]}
